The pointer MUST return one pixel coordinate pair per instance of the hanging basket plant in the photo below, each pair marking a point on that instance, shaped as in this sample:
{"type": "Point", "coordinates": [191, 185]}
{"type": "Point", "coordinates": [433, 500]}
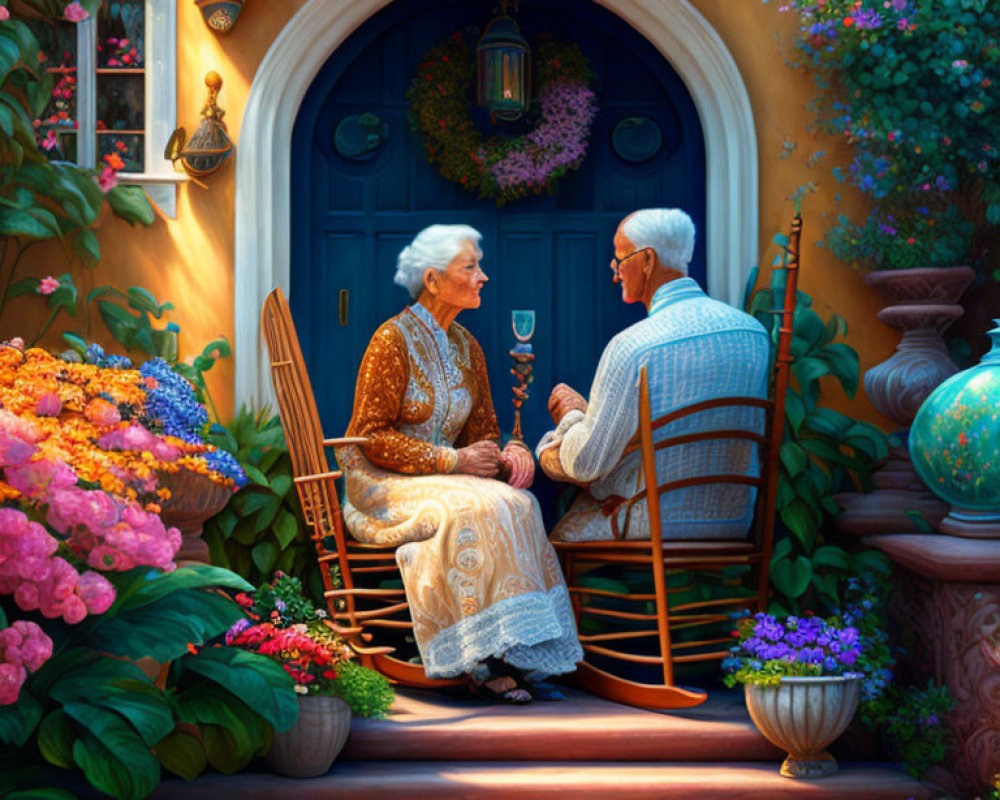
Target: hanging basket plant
{"type": "Point", "coordinates": [503, 168]}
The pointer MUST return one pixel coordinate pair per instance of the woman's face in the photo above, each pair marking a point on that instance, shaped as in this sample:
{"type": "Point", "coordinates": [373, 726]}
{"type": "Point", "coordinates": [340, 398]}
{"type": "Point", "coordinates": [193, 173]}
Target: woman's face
{"type": "Point", "coordinates": [462, 279]}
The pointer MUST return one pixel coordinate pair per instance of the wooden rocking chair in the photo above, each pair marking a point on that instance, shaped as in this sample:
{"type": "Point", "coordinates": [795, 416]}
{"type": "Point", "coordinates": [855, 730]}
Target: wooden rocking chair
{"type": "Point", "coordinates": [657, 555]}
{"type": "Point", "coordinates": [356, 611]}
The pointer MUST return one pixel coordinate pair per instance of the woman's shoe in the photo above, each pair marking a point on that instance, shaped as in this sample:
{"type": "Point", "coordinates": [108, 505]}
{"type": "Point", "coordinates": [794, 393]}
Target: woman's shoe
{"type": "Point", "coordinates": [509, 691]}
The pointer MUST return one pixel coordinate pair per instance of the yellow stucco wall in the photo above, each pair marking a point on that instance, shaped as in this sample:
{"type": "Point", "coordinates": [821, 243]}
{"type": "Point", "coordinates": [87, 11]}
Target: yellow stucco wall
{"type": "Point", "coordinates": [189, 260]}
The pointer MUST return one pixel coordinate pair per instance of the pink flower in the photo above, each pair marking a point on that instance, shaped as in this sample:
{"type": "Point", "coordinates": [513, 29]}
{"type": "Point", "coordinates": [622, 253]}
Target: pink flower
{"type": "Point", "coordinates": [71, 507]}
{"type": "Point", "coordinates": [21, 428]}
{"type": "Point", "coordinates": [74, 12]}
{"type": "Point", "coordinates": [50, 142]}
{"type": "Point", "coordinates": [48, 405]}
{"type": "Point", "coordinates": [11, 677]}
{"type": "Point", "coordinates": [38, 477]}
{"type": "Point", "coordinates": [4, 14]}
{"type": "Point", "coordinates": [96, 592]}
{"type": "Point", "coordinates": [14, 450]}
{"type": "Point", "coordinates": [108, 179]}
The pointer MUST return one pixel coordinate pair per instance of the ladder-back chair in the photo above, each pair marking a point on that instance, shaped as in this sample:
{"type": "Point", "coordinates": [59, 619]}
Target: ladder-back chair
{"type": "Point", "coordinates": [357, 611]}
{"type": "Point", "coordinates": [657, 555]}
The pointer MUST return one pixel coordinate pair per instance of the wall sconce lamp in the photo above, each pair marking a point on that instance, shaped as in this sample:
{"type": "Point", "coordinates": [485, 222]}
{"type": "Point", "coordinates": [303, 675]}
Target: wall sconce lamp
{"type": "Point", "coordinates": [220, 15]}
{"type": "Point", "coordinates": [503, 62]}
{"type": "Point", "coordinates": [210, 147]}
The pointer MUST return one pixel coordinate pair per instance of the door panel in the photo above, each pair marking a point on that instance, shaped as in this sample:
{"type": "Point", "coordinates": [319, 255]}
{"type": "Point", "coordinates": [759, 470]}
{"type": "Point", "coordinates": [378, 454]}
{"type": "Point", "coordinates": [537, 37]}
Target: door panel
{"type": "Point", "coordinates": [351, 219]}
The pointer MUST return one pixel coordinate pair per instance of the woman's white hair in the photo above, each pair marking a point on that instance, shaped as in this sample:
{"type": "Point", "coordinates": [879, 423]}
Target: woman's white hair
{"type": "Point", "coordinates": [669, 231]}
{"type": "Point", "coordinates": [435, 246]}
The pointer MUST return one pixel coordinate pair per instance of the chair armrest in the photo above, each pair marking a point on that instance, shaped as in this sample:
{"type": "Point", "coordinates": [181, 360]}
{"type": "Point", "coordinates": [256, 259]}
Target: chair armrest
{"type": "Point", "coordinates": [344, 441]}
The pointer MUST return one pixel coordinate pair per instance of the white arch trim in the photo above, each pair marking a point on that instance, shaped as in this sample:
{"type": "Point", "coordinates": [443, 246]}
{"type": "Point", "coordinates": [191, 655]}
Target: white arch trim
{"type": "Point", "coordinates": [263, 170]}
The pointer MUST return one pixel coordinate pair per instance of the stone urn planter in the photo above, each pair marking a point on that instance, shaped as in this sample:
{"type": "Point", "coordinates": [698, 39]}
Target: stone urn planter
{"type": "Point", "coordinates": [310, 747]}
{"type": "Point", "coordinates": [193, 499]}
{"type": "Point", "coordinates": [804, 716]}
{"type": "Point", "coordinates": [922, 303]}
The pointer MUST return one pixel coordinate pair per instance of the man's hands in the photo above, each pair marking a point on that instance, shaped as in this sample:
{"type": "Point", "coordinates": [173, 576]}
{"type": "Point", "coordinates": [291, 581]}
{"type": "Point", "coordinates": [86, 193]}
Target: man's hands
{"type": "Point", "coordinates": [563, 400]}
{"type": "Point", "coordinates": [521, 464]}
{"type": "Point", "coordinates": [482, 459]}
{"type": "Point", "coordinates": [485, 460]}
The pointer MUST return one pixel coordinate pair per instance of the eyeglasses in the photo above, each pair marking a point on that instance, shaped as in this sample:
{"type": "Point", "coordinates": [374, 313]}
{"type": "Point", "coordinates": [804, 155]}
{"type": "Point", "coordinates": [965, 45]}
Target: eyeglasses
{"type": "Point", "coordinates": [616, 263]}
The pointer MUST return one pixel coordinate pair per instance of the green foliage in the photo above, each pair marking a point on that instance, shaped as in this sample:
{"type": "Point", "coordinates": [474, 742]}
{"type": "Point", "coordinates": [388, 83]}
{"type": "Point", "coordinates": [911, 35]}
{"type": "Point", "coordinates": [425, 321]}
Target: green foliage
{"type": "Point", "coordinates": [283, 596]}
{"type": "Point", "coordinates": [912, 87]}
{"type": "Point", "coordinates": [90, 707]}
{"type": "Point", "coordinates": [916, 725]}
{"type": "Point", "coordinates": [821, 448]}
{"type": "Point", "coordinates": [40, 199]}
{"type": "Point", "coordinates": [261, 530]}
{"type": "Point", "coordinates": [366, 691]}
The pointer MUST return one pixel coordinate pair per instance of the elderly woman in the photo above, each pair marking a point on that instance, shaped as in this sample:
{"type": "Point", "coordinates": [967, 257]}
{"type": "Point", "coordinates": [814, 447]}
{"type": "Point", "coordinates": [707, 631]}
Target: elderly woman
{"type": "Point", "coordinates": [484, 587]}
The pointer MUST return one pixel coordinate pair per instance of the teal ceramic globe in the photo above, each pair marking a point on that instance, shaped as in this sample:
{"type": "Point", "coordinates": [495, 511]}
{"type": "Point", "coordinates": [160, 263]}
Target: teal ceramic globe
{"type": "Point", "coordinates": [955, 436]}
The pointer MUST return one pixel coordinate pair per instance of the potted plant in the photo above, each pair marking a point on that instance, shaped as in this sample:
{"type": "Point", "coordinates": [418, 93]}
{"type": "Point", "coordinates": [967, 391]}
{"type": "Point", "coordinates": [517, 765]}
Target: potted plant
{"type": "Point", "coordinates": [284, 625]}
{"type": "Point", "coordinates": [908, 85]}
{"type": "Point", "coordinates": [801, 690]}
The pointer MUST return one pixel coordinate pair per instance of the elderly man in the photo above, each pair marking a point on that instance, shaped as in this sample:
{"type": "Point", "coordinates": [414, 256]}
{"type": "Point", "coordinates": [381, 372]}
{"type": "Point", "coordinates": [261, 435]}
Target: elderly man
{"type": "Point", "coordinates": [694, 348]}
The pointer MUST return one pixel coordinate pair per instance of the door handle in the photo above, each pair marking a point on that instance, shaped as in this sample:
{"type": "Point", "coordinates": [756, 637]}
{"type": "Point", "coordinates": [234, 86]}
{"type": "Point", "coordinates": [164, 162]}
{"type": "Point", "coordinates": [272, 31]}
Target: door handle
{"type": "Point", "coordinates": [343, 306]}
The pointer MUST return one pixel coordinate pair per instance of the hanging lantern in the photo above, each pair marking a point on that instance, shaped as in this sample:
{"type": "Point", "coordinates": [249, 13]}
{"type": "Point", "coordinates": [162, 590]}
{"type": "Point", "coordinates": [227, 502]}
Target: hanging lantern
{"type": "Point", "coordinates": [210, 146]}
{"type": "Point", "coordinates": [503, 61]}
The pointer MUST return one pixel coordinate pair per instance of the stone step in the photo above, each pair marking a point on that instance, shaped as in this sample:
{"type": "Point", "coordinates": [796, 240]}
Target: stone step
{"type": "Point", "coordinates": [402, 780]}
{"type": "Point", "coordinates": [434, 727]}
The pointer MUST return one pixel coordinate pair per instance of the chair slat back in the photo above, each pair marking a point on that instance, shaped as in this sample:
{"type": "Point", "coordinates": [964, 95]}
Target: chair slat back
{"type": "Point", "coordinates": [768, 444]}
{"type": "Point", "coordinates": [299, 415]}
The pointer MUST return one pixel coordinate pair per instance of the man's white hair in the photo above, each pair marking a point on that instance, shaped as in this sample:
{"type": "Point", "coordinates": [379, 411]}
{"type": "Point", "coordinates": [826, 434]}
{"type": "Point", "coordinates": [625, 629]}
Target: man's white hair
{"type": "Point", "coordinates": [435, 246]}
{"type": "Point", "coordinates": [669, 231]}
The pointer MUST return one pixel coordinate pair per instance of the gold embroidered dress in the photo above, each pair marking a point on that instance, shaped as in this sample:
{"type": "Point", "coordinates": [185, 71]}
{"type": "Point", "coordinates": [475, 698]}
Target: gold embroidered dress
{"type": "Point", "coordinates": [480, 575]}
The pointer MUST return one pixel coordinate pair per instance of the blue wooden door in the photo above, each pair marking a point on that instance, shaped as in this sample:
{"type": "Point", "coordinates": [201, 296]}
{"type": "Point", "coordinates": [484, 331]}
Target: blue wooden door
{"type": "Point", "coordinates": [351, 218]}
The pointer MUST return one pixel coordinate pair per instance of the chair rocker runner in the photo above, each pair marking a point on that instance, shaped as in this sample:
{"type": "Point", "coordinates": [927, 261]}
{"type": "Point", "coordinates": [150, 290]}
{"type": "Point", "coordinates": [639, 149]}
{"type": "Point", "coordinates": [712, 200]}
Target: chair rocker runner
{"type": "Point", "coordinates": [657, 555]}
{"type": "Point", "coordinates": [357, 611]}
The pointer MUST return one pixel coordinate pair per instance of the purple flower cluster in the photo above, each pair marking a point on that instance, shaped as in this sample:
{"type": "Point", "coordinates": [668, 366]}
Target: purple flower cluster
{"type": "Point", "coordinates": [819, 646]}
{"type": "Point", "coordinates": [558, 142]}
{"type": "Point", "coordinates": [172, 406]}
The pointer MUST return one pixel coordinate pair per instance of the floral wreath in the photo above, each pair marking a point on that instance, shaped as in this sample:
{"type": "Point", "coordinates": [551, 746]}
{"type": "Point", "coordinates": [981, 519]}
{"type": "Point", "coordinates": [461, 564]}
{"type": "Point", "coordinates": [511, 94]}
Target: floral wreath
{"type": "Point", "coordinates": [509, 168]}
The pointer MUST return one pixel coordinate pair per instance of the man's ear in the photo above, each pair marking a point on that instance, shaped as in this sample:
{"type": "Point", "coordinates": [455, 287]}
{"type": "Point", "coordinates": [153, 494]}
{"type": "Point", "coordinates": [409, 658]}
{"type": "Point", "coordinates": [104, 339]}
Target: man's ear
{"type": "Point", "coordinates": [431, 280]}
{"type": "Point", "coordinates": [649, 261]}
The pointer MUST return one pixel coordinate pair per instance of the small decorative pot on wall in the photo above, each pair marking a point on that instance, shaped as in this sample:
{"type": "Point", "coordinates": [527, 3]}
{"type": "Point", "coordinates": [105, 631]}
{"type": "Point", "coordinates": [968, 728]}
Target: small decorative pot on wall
{"type": "Point", "coordinates": [311, 745]}
{"type": "Point", "coordinates": [955, 446]}
{"type": "Point", "coordinates": [220, 15]}
{"type": "Point", "coordinates": [804, 716]}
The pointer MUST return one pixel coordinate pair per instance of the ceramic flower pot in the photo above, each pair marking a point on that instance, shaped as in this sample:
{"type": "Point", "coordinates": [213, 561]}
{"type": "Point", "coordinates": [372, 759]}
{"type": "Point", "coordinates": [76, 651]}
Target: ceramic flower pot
{"type": "Point", "coordinates": [804, 716]}
{"type": "Point", "coordinates": [310, 747]}
{"type": "Point", "coordinates": [193, 499]}
{"type": "Point", "coordinates": [955, 447]}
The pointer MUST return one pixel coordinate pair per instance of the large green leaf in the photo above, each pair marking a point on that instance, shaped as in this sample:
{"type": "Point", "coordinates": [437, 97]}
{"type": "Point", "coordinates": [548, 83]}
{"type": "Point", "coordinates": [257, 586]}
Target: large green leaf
{"type": "Point", "coordinates": [15, 222]}
{"type": "Point", "coordinates": [286, 528]}
{"type": "Point", "coordinates": [264, 554]}
{"type": "Point", "coordinates": [193, 576]}
{"type": "Point", "coordinates": [206, 704]}
{"type": "Point", "coordinates": [794, 458]}
{"type": "Point", "coordinates": [115, 762]}
{"type": "Point", "coordinates": [262, 683]}
{"type": "Point", "coordinates": [223, 751]}
{"type": "Point", "coordinates": [831, 557]}
{"type": "Point", "coordinates": [791, 576]}
{"type": "Point", "coordinates": [19, 720]}
{"type": "Point", "coordinates": [182, 754]}
{"type": "Point", "coordinates": [163, 630]}
{"type": "Point", "coordinates": [801, 520]}
{"type": "Point", "coordinates": [104, 684]}
{"type": "Point", "coordinates": [842, 360]}
{"type": "Point", "coordinates": [86, 247]}
{"type": "Point", "coordinates": [130, 203]}
{"type": "Point", "coordinates": [56, 736]}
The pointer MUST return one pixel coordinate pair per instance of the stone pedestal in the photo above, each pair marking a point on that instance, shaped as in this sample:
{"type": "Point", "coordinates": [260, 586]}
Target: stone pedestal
{"type": "Point", "coordinates": [947, 604]}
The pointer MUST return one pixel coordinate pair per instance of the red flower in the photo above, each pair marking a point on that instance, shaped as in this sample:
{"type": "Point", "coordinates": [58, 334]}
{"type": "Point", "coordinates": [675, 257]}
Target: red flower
{"type": "Point", "coordinates": [962, 438]}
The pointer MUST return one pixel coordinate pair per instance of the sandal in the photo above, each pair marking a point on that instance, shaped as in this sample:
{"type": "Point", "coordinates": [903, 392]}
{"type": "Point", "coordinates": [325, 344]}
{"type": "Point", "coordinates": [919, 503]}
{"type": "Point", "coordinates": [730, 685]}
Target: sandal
{"type": "Point", "coordinates": [515, 695]}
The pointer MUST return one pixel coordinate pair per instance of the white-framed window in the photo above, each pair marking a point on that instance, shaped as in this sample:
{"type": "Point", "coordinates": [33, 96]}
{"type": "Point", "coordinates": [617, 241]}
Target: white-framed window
{"type": "Point", "coordinates": [115, 94]}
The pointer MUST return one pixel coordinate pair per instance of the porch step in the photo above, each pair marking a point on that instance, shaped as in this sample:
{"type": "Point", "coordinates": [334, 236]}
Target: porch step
{"type": "Point", "coordinates": [409, 780]}
{"type": "Point", "coordinates": [425, 726]}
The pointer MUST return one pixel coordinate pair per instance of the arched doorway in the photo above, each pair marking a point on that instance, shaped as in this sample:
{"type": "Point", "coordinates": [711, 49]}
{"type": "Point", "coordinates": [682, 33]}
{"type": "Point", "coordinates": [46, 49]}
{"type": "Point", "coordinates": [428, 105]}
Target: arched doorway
{"type": "Point", "coordinates": [263, 197]}
{"type": "Point", "coordinates": [351, 217]}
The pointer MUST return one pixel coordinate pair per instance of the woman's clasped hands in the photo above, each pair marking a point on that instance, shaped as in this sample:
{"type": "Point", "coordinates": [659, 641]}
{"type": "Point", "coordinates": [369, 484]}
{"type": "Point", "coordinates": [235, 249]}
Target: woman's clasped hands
{"type": "Point", "coordinates": [486, 460]}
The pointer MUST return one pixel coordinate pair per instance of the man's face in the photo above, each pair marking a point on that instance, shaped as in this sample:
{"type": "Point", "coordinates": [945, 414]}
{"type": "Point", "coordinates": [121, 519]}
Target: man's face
{"type": "Point", "coordinates": [629, 266]}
